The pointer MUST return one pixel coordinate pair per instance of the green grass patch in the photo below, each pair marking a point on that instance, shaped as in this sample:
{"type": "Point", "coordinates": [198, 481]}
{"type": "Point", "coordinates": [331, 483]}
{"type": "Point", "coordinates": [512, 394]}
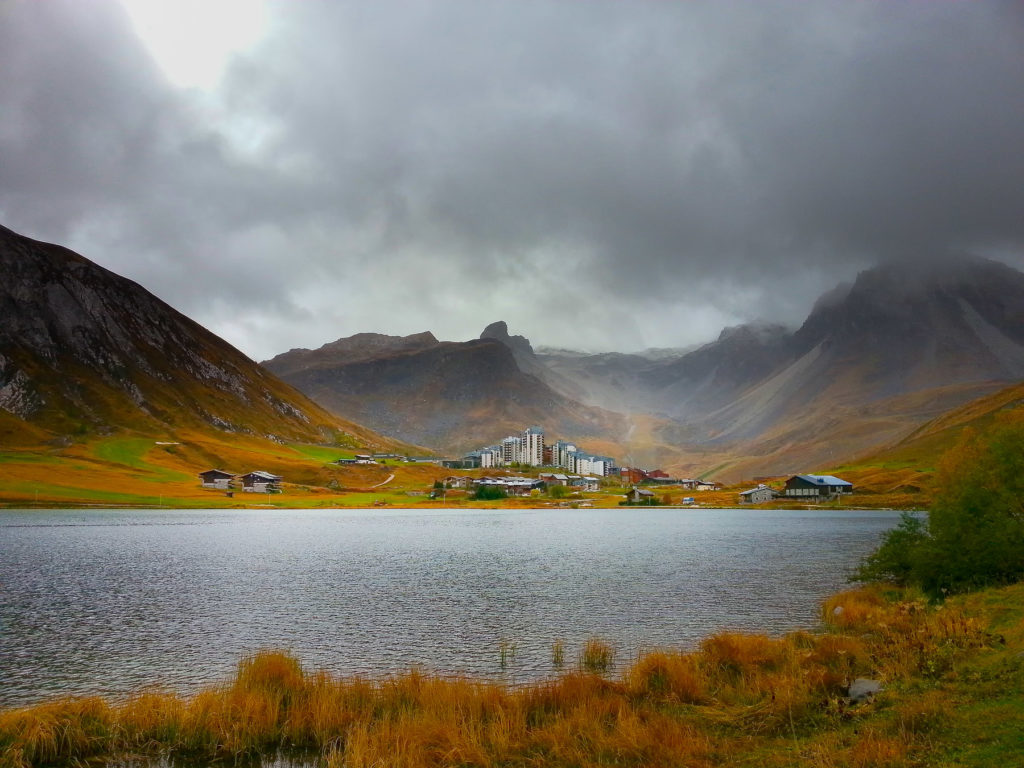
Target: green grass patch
{"type": "Point", "coordinates": [128, 451]}
{"type": "Point", "coordinates": [322, 453]}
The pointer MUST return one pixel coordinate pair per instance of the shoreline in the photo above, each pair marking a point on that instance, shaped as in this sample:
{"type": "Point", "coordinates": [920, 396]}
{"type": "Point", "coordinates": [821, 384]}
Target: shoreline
{"type": "Point", "coordinates": [786, 700]}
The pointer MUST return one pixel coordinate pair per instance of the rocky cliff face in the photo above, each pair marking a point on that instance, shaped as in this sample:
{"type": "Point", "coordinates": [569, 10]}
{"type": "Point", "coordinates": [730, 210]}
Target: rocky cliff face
{"type": "Point", "coordinates": [82, 348]}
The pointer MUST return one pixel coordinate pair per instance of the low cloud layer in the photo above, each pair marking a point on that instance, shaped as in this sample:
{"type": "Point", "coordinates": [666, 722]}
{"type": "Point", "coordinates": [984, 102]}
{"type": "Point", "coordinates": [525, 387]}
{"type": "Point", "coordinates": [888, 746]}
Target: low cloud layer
{"type": "Point", "coordinates": [599, 175]}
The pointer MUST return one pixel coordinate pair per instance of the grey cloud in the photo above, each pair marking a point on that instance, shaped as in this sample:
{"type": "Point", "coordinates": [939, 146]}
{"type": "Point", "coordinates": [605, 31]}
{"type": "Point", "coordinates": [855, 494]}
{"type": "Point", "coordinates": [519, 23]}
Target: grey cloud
{"type": "Point", "coordinates": [599, 174]}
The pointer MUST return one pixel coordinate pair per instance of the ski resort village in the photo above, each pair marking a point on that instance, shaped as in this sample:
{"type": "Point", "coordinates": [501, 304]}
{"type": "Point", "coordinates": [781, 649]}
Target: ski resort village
{"type": "Point", "coordinates": [525, 465]}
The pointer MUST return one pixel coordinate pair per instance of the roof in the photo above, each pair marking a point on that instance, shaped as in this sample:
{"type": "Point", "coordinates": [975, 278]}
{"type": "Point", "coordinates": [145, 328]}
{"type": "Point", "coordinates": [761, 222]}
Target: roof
{"type": "Point", "coordinates": [264, 475]}
{"type": "Point", "coordinates": [824, 480]}
{"type": "Point", "coordinates": [217, 471]}
{"type": "Point", "coordinates": [755, 490]}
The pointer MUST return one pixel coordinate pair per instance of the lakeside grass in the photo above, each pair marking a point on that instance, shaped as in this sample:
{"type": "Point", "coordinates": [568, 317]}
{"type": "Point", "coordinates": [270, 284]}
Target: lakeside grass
{"type": "Point", "coordinates": [953, 677]}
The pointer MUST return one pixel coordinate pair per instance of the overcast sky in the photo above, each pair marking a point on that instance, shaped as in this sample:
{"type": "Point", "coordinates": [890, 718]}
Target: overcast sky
{"type": "Point", "coordinates": [601, 175]}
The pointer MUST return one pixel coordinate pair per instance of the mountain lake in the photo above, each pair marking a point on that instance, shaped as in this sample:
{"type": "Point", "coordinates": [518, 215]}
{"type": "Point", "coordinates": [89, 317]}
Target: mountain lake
{"type": "Point", "coordinates": [110, 601]}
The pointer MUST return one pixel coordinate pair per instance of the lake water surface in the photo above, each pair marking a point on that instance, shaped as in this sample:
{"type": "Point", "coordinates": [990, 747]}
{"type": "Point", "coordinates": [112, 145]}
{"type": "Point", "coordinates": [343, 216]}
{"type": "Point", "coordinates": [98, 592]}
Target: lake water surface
{"type": "Point", "coordinates": [108, 601]}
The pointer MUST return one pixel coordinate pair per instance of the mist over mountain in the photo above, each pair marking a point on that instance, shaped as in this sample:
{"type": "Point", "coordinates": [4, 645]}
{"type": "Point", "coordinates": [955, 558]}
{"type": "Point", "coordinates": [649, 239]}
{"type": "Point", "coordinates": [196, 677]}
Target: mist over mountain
{"type": "Point", "coordinates": [873, 359]}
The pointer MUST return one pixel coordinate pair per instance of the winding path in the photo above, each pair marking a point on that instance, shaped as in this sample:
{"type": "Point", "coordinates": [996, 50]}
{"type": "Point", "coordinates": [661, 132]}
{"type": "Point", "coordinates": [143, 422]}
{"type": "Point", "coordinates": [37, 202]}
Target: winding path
{"type": "Point", "coordinates": [390, 478]}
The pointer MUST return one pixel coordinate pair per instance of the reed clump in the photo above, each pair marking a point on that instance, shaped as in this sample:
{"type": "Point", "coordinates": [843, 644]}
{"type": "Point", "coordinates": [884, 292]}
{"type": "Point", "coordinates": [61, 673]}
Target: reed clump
{"type": "Point", "coordinates": [597, 655]}
{"type": "Point", "coordinates": [736, 695]}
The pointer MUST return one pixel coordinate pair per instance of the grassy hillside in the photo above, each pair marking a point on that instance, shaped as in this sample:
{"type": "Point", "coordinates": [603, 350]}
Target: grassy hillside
{"type": "Point", "coordinates": [86, 354]}
{"type": "Point", "coordinates": [909, 464]}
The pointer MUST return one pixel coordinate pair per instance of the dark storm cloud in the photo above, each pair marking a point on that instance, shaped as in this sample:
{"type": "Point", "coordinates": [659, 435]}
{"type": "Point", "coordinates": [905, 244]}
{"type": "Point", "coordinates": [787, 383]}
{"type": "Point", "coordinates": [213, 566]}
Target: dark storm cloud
{"type": "Point", "coordinates": [599, 174]}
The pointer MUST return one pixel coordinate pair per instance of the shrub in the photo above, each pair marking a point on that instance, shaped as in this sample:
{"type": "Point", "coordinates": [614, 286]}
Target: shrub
{"type": "Point", "coordinates": [489, 493]}
{"type": "Point", "coordinates": [974, 534]}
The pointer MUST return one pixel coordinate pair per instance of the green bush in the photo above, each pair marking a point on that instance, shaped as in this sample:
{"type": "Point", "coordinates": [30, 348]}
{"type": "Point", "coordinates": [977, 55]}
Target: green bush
{"type": "Point", "coordinates": [489, 493]}
{"type": "Point", "coordinates": [974, 534]}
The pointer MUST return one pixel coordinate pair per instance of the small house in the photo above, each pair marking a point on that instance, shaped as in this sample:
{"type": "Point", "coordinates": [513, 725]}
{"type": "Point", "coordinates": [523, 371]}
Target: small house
{"type": "Point", "coordinates": [458, 481]}
{"type": "Point", "coordinates": [216, 478]}
{"type": "Point", "coordinates": [554, 478]}
{"type": "Point", "coordinates": [638, 495]}
{"type": "Point", "coordinates": [587, 484]}
{"type": "Point", "coordinates": [706, 485]}
{"type": "Point", "coordinates": [816, 486]}
{"type": "Point", "coordinates": [758, 495]}
{"type": "Point", "coordinates": [261, 482]}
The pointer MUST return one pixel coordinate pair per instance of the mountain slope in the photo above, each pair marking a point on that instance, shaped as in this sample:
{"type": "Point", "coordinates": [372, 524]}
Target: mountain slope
{"type": "Point", "coordinates": [453, 395]}
{"type": "Point", "coordinates": [874, 360]}
{"type": "Point", "coordinates": [85, 351]}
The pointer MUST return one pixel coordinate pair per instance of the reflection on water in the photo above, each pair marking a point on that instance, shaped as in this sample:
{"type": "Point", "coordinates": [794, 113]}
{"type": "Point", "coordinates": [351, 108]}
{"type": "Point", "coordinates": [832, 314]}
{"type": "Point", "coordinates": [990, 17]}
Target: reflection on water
{"type": "Point", "coordinates": [103, 601]}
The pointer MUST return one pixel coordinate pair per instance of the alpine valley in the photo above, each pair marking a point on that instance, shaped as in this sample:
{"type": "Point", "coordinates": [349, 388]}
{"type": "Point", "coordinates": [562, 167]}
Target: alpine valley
{"type": "Point", "coordinates": [99, 379]}
{"type": "Point", "coordinates": [872, 362]}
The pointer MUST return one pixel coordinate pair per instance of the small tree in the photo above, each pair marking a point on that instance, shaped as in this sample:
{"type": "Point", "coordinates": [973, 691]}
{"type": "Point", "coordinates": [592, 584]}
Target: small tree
{"type": "Point", "coordinates": [489, 493]}
{"type": "Point", "coordinates": [974, 534]}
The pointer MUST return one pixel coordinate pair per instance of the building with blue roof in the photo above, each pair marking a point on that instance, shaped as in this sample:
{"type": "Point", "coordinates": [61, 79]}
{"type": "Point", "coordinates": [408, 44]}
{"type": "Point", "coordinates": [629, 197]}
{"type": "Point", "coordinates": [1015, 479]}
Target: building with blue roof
{"type": "Point", "coordinates": [816, 486]}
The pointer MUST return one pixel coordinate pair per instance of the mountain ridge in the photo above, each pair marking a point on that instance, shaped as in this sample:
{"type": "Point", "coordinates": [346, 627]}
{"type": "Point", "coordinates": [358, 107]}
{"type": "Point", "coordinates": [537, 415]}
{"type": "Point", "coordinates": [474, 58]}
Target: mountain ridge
{"type": "Point", "coordinates": [84, 350]}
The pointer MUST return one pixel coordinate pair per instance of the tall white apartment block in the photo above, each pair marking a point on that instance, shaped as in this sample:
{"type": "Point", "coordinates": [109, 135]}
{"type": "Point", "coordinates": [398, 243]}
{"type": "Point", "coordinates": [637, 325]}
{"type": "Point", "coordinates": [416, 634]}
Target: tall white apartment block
{"type": "Point", "coordinates": [491, 457]}
{"type": "Point", "coordinates": [560, 453]}
{"type": "Point", "coordinates": [532, 447]}
{"type": "Point", "coordinates": [511, 449]}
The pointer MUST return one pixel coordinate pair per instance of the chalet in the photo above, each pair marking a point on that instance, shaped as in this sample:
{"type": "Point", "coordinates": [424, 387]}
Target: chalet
{"type": "Point", "coordinates": [586, 484]}
{"type": "Point", "coordinates": [758, 495]}
{"type": "Point", "coordinates": [216, 478]}
{"type": "Point", "coordinates": [816, 486]}
{"type": "Point", "coordinates": [261, 482]}
{"type": "Point", "coordinates": [554, 478]}
{"type": "Point", "coordinates": [638, 495]}
{"type": "Point", "coordinates": [513, 486]}
{"type": "Point", "coordinates": [458, 481]}
{"type": "Point", "coordinates": [706, 485]}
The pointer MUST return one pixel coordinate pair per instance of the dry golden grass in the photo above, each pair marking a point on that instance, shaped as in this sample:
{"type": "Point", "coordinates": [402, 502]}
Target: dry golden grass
{"type": "Point", "coordinates": [737, 696]}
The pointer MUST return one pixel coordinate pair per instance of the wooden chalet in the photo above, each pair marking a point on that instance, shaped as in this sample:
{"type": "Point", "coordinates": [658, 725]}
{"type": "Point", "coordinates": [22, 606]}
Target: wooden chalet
{"type": "Point", "coordinates": [816, 486]}
{"type": "Point", "coordinates": [758, 495]}
{"type": "Point", "coordinates": [261, 482]}
{"type": "Point", "coordinates": [216, 478]}
{"type": "Point", "coordinates": [637, 495]}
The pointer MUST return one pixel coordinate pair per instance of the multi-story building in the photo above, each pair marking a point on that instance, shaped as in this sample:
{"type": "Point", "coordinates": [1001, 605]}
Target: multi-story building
{"type": "Point", "coordinates": [560, 453]}
{"type": "Point", "coordinates": [589, 464]}
{"type": "Point", "coordinates": [492, 456]}
{"type": "Point", "coordinates": [511, 450]}
{"type": "Point", "coordinates": [528, 448]}
{"type": "Point", "coordinates": [531, 447]}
